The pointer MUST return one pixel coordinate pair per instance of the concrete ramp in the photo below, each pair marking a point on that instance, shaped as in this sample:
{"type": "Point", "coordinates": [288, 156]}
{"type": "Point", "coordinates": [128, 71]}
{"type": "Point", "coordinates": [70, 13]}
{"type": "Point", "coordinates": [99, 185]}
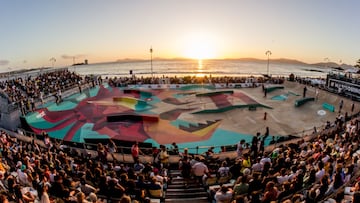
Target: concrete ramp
{"type": "Point", "coordinates": [302, 101]}
{"type": "Point", "coordinates": [273, 88]}
{"type": "Point", "coordinates": [229, 108]}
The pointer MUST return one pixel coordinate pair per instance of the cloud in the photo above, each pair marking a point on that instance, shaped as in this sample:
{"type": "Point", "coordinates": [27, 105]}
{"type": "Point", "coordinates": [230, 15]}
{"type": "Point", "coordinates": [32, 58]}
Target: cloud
{"type": "Point", "coordinates": [4, 62]}
{"type": "Point", "coordinates": [65, 56]}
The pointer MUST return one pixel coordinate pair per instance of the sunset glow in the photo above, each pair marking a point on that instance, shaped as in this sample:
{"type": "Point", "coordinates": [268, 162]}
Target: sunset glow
{"type": "Point", "coordinates": [205, 29]}
{"type": "Point", "coordinates": [200, 47]}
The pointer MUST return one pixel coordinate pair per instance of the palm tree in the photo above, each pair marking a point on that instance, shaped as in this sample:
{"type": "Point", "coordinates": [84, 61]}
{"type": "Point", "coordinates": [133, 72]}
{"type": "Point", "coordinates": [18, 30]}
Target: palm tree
{"type": "Point", "coordinates": [357, 64]}
{"type": "Point", "coordinates": [268, 53]}
{"type": "Point", "coordinates": [53, 60]}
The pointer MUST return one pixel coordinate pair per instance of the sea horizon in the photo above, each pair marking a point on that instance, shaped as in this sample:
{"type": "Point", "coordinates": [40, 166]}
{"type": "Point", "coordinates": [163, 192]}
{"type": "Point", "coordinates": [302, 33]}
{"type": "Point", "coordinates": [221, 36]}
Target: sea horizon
{"type": "Point", "coordinates": [191, 67]}
{"type": "Point", "coordinates": [214, 67]}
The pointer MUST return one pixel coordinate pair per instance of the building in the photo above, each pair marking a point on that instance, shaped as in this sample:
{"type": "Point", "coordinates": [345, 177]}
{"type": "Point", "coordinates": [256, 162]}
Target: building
{"type": "Point", "coordinates": [344, 84]}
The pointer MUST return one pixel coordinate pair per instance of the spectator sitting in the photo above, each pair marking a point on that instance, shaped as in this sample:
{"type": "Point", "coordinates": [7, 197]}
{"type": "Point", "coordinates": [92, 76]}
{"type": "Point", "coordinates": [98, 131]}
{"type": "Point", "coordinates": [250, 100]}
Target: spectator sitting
{"type": "Point", "coordinates": [241, 187]}
{"type": "Point", "coordinates": [223, 170]}
{"type": "Point", "coordinates": [224, 195]}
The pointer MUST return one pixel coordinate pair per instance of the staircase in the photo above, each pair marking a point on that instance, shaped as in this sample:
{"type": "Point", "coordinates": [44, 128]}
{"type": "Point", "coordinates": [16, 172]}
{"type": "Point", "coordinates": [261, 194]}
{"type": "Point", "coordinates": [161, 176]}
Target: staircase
{"type": "Point", "coordinates": [177, 192]}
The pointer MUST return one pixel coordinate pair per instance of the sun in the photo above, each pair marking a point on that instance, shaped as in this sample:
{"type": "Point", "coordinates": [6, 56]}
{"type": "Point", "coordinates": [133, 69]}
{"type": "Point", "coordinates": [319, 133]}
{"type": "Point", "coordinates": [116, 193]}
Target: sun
{"type": "Point", "coordinates": [200, 47]}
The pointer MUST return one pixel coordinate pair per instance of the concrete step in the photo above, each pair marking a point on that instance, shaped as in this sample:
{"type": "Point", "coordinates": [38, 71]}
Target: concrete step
{"type": "Point", "coordinates": [174, 173]}
{"type": "Point", "coordinates": [187, 200]}
{"type": "Point", "coordinates": [184, 190]}
{"type": "Point", "coordinates": [186, 194]}
{"type": "Point", "coordinates": [182, 186]}
{"type": "Point", "coordinates": [177, 181]}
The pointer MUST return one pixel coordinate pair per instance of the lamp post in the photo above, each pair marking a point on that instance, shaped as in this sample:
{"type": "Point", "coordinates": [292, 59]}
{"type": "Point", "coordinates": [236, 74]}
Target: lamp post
{"type": "Point", "coordinates": [151, 51]}
{"type": "Point", "coordinates": [326, 62]}
{"type": "Point", "coordinates": [268, 53]}
{"type": "Point", "coordinates": [9, 74]}
{"type": "Point", "coordinates": [53, 60]}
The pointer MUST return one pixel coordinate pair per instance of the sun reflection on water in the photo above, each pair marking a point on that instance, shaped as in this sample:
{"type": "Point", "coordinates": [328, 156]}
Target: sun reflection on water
{"type": "Point", "coordinates": [199, 71]}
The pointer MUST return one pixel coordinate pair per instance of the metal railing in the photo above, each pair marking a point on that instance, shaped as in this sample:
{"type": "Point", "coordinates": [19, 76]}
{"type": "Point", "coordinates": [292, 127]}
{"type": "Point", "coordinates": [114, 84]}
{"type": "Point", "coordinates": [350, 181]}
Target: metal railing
{"type": "Point", "coordinates": [148, 150]}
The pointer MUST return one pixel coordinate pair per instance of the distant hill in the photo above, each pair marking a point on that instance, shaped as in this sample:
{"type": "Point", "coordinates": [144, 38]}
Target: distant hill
{"type": "Point", "coordinates": [279, 60]}
{"type": "Point", "coordinates": [333, 65]}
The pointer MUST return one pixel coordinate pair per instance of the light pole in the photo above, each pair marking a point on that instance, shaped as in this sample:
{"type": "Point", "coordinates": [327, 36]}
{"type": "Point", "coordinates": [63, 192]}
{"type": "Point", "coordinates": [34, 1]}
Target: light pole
{"type": "Point", "coordinates": [53, 60]}
{"type": "Point", "coordinates": [151, 51]}
{"type": "Point", "coordinates": [9, 74]}
{"type": "Point", "coordinates": [326, 62]}
{"type": "Point", "coordinates": [268, 53]}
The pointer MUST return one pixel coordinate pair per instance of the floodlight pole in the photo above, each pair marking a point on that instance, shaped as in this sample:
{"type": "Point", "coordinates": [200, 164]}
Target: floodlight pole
{"type": "Point", "coordinates": [151, 51]}
{"type": "Point", "coordinates": [268, 53]}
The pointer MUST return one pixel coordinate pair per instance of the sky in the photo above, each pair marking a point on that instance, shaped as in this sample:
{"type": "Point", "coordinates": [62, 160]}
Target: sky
{"type": "Point", "coordinates": [33, 32]}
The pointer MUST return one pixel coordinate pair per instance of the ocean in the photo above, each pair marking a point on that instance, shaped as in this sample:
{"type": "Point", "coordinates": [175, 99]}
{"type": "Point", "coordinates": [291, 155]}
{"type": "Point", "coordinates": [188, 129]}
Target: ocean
{"type": "Point", "coordinates": [198, 68]}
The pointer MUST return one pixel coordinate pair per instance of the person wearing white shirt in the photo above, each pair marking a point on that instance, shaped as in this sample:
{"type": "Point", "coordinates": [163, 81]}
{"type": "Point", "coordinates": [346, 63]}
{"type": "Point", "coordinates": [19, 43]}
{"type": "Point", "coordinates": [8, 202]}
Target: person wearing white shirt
{"type": "Point", "coordinates": [223, 170]}
{"type": "Point", "coordinates": [199, 170]}
{"type": "Point", "coordinates": [257, 167]}
{"type": "Point", "coordinates": [321, 171]}
{"type": "Point", "coordinates": [282, 177]}
{"type": "Point", "coordinates": [240, 148]}
{"type": "Point", "coordinates": [325, 159]}
{"type": "Point", "coordinates": [44, 196]}
{"type": "Point", "coordinates": [265, 159]}
{"type": "Point", "coordinates": [224, 195]}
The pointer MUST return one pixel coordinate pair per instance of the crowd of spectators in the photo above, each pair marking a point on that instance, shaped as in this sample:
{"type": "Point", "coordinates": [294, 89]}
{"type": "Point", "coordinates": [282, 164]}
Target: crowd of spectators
{"type": "Point", "coordinates": [124, 81]}
{"type": "Point", "coordinates": [31, 172]}
{"type": "Point", "coordinates": [26, 91]}
{"type": "Point", "coordinates": [306, 171]}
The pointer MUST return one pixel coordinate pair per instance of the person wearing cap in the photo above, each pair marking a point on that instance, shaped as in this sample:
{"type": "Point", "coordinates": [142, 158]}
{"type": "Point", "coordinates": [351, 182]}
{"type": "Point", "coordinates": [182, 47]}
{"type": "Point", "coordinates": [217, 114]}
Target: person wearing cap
{"type": "Point", "coordinates": [22, 175]}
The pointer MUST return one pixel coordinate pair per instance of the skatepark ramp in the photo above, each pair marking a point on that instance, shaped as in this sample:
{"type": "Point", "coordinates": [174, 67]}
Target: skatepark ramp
{"type": "Point", "coordinates": [228, 108]}
{"type": "Point", "coordinates": [302, 101]}
{"type": "Point", "coordinates": [273, 88]}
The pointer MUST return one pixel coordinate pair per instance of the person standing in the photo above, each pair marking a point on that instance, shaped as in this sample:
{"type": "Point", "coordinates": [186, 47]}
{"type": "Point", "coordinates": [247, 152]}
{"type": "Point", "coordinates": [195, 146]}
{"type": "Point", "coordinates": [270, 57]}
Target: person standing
{"type": "Point", "coordinates": [200, 169]}
{"type": "Point", "coordinates": [316, 95]}
{"type": "Point", "coordinates": [304, 92]}
{"type": "Point", "coordinates": [112, 148]}
{"type": "Point", "coordinates": [185, 170]}
{"type": "Point", "coordinates": [42, 97]}
{"type": "Point", "coordinates": [240, 148]}
{"type": "Point", "coordinates": [352, 107]}
{"type": "Point", "coordinates": [135, 151]}
{"type": "Point", "coordinates": [163, 156]}
{"type": "Point", "coordinates": [341, 104]}
{"type": "Point", "coordinates": [59, 94]}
